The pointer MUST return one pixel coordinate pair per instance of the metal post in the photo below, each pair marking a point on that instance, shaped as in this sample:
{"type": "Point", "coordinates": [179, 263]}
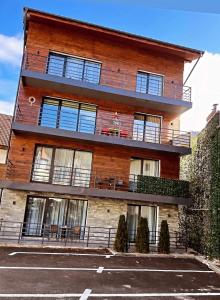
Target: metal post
{"type": "Point", "coordinates": [87, 243]}
{"type": "Point", "coordinates": [20, 232]}
{"type": "Point", "coordinates": [109, 237]}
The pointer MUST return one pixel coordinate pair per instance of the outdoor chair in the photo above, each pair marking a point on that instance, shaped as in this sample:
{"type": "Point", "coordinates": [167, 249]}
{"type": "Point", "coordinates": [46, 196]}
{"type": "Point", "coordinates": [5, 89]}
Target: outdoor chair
{"type": "Point", "coordinates": [74, 233]}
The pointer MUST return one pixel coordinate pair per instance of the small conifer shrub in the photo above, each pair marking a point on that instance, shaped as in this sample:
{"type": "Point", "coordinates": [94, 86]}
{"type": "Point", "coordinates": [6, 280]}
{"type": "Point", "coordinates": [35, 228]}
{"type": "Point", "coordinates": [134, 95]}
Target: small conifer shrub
{"type": "Point", "coordinates": [142, 238]}
{"type": "Point", "coordinates": [121, 239]}
{"type": "Point", "coordinates": [164, 239]}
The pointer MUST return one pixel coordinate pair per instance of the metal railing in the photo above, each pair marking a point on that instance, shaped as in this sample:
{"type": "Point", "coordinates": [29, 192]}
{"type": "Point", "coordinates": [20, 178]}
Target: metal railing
{"type": "Point", "coordinates": [108, 77]}
{"type": "Point", "coordinates": [85, 178]}
{"type": "Point", "coordinates": [74, 235]}
{"type": "Point", "coordinates": [110, 127]}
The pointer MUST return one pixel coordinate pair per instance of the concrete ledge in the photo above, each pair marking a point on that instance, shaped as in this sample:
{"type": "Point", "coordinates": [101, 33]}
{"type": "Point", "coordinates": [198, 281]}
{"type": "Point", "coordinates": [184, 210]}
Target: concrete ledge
{"type": "Point", "coordinates": [96, 138]}
{"type": "Point", "coordinates": [92, 192]}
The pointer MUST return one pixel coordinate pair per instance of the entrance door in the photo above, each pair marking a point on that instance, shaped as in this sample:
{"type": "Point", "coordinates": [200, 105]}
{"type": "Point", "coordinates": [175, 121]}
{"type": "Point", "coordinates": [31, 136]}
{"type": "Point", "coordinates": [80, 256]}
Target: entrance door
{"type": "Point", "coordinates": [134, 212]}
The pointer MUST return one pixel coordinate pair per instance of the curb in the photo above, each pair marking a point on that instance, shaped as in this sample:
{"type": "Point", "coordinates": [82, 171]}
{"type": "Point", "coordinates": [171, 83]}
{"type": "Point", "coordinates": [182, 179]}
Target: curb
{"type": "Point", "coordinates": [209, 264]}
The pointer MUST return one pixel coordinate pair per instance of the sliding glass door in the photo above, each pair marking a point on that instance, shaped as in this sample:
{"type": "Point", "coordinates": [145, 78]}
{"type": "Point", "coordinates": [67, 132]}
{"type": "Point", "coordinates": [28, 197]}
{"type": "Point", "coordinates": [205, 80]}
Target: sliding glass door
{"type": "Point", "coordinates": [134, 213]}
{"type": "Point", "coordinates": [62, 166]}
{"type": "Point", "coordinates": [147, 128]}
{"type": "Point", "coordinates": [145, 167]}
{"type": "Point", "coordinates": [53, 211]}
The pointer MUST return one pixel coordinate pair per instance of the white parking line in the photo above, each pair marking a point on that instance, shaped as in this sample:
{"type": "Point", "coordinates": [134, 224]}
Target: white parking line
{"type": "Point", "coordinates": [60, 253]}
{"type": "Point", "coordinates": [106, 269]}
{"type": "Point", "coordinates": [85, 294]}
{"type": "Point", "coordinates": [100, 270]}
{"type": "Point", "coordinates": [88, 293]}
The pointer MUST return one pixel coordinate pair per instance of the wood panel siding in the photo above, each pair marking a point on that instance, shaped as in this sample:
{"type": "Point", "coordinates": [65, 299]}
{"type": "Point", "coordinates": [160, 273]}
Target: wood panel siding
{"type": "Point", "coordinates": [119, 57]}
{"type": "Point", "coordinates": [29, 114]}
{"type": "Point", "coordinates": [109, 160]}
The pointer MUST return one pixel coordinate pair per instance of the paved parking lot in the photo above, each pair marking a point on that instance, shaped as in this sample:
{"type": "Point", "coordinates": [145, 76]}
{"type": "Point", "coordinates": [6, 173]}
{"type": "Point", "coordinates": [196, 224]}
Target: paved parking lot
{"type": "Point", "coordinates": [46, 274]}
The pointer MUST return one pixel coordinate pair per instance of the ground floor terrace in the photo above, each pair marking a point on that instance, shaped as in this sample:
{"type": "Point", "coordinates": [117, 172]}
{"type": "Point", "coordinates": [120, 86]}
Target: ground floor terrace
{"type": "Point", "coordinates": [47, 217]}
{"type": "Point", "coordinates": [27, 273]}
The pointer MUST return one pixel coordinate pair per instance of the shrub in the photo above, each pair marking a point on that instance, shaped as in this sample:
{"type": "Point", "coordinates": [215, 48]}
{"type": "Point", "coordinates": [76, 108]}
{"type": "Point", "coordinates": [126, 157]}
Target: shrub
{"type": "Point", "coordinates": [142, 238]}
{"type": "Point", "coordinates": [121, 239]}
{"type": "Point", "coordinates": [164, 239]}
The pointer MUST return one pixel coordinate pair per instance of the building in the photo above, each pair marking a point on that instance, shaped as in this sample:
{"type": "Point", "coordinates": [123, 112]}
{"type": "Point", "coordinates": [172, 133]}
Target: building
{"type": "Point", "coordinates": [95, 132]}
{"type": "Point", "coordinates": [5, 128]}
{"type": "Point", "coordinates": [202, 168]}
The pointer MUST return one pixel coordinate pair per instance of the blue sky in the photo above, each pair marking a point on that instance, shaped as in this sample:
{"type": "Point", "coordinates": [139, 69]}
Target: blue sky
{"type": "Point", "coordinates": [149, 18]}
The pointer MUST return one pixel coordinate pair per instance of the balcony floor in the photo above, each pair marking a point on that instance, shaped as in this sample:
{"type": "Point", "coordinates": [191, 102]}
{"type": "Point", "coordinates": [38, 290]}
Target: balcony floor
{"type": "Point", "coordinates": [100, 139]}
{"type": "Point", "coordinates": [173, 107]}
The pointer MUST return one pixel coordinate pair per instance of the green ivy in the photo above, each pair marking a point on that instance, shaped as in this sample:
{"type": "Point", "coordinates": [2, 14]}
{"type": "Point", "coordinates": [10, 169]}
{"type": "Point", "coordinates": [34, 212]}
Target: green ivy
{"type": "Point", "coordinates": [162, 186]}
{"type": "Point", "coordinates": [202, 169]}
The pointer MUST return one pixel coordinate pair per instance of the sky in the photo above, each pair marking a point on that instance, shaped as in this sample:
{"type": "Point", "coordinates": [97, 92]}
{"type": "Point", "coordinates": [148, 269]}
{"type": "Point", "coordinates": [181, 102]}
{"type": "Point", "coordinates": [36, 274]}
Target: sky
{"type": "Point", "coordinates": [192, 23]}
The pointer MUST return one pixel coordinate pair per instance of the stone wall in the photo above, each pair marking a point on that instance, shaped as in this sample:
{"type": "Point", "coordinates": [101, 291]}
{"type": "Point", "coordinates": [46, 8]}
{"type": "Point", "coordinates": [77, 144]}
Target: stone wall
{"type": "Point", "coordinates": [12, 206]}
{"type": "Point", "coordinates": [100, 213]}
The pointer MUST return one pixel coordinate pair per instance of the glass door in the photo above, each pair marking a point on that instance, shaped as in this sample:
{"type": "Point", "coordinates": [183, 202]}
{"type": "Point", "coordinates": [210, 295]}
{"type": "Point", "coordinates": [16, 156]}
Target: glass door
{"type": "Point", "coordinates": [132, 221]}
{"type": "Point", "coordinates": [63, 163]}
{"type": "Point", "coordinates": [34, 216]}
{"type": "Point", "coordinates": [152, 129]}
{"type": "Point", "coordinates": [82, 168]}
{"type": "Point", "coordinates": [134, 212]}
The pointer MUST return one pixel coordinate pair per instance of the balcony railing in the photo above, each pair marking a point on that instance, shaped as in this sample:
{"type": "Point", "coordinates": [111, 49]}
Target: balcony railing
{"type": "Point", "coordinates": [107, 77]}
{"type": "Point", "coordinates": [110, 127]}
{"type": "Point", "coordinates": [85, 178]}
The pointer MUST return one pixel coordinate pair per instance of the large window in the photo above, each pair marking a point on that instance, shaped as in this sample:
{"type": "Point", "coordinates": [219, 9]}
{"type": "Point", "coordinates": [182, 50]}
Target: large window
{"type": "Point", "coordinates": [147, 128]}
{"type": "Point", "coordinates": [56, 212]}
{"type": "Point", "coordinates": [133, 215]}
{"type": "Point", "coordinates": [146, 167]}
{"type": "Point", "coordinates": [62, 166]}
{"type": "Point", "coordinates": [148, 83]}
{"type": "Point", "coordinates": [74, 68]}
{"type": "Point", "coordinates": [3, 156]}
{"type": "Point", "coordinates": [68, 115]}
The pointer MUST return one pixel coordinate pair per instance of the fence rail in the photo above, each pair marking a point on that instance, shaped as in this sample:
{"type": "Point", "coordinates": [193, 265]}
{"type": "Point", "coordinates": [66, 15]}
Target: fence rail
{"type": "Point", "coordinates": [113, 126]}
{"type": "Point", "coordinates": [72, 235]}
{"type": "Point", "coordinates": [105, 76]}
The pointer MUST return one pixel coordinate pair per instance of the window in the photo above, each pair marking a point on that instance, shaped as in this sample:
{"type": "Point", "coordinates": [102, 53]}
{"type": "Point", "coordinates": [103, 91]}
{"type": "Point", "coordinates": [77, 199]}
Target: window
{"type": "Point", "coordinates": [147, 128]}
{"type": "Point", "coordinates": [3, 156]}
{"type": "Point", "coordinates": [148, 83]}
{"type": "Point", "coordinates": [146, 167]}
{"type": "Point", "coordinates": [53, 211]}
{"type": "Point", "coordinates": [68, 115]}
{"type": "Point", "coordinates": [62, 166]}
{"type": "Point", "coordinates": [133, 215]}
{"type": "Point", "coordinates": [74, 68]}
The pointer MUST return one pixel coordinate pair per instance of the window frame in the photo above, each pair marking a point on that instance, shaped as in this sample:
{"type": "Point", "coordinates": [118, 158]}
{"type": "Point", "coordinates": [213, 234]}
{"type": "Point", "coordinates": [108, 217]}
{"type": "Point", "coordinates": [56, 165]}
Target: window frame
{"type": "Point", "coordinates": [50, 181]}
{"type": "Point", "coordinates": [60, 101]}
{"type": "Point", "coordinates": [6, 155]}
{"type": "Point", "coordinates": [145, 120]}
{"type": "Point", "coordinates": [46, 198]}
{"type": "Point", "coordinates": [142, 165]}
{"type": "Point", "coordinates": [66, 56]}
{"type": "Point", "coordinates": [147, 73]}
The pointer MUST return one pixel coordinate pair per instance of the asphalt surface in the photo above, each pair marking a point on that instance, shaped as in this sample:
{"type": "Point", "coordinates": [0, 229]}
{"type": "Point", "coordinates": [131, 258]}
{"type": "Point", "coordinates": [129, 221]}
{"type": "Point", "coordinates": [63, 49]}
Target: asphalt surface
{"type": "Point", "coordinates": [99, 276]}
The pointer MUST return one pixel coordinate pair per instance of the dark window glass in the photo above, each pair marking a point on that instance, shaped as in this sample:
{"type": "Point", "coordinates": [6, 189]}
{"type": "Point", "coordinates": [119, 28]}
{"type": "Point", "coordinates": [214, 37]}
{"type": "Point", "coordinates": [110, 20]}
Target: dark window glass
{"type": "Point", "coordinates": [149, 84]}
{"type": "Point", "coordinates": [147, 128]}
{"type": "Point", "coordinates": [87, 118]}
{"type": "Point", "coordinates": [56, 65]}
{"type": "Point", "coordinates": [49, 113]}
{"type": "Point", "coordinates": [74, 68]}
{"type": "Point", "coordinates": [68, 115]}
{"type": "Point", "coordinates": [43, 214]}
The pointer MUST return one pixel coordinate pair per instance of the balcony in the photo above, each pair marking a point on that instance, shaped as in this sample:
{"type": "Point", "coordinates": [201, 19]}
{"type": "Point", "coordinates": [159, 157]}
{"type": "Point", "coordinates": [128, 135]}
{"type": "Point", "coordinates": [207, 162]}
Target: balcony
{"type": "Point", "coordinates": [115, 129]}
{"type": "Point", "coordinates": [116, 86]}
{"type": "Point", "coordinates": [85, 182]}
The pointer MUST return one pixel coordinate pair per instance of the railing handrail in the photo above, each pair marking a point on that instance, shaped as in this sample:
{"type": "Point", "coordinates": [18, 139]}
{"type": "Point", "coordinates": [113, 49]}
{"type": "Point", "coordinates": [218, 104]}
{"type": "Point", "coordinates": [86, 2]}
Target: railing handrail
{"type": "Point", "coordinates": [177, 87]}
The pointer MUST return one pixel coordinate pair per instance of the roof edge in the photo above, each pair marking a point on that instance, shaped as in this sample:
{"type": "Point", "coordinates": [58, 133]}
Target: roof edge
{"type": "Point", "coordinates": [111, 30]}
